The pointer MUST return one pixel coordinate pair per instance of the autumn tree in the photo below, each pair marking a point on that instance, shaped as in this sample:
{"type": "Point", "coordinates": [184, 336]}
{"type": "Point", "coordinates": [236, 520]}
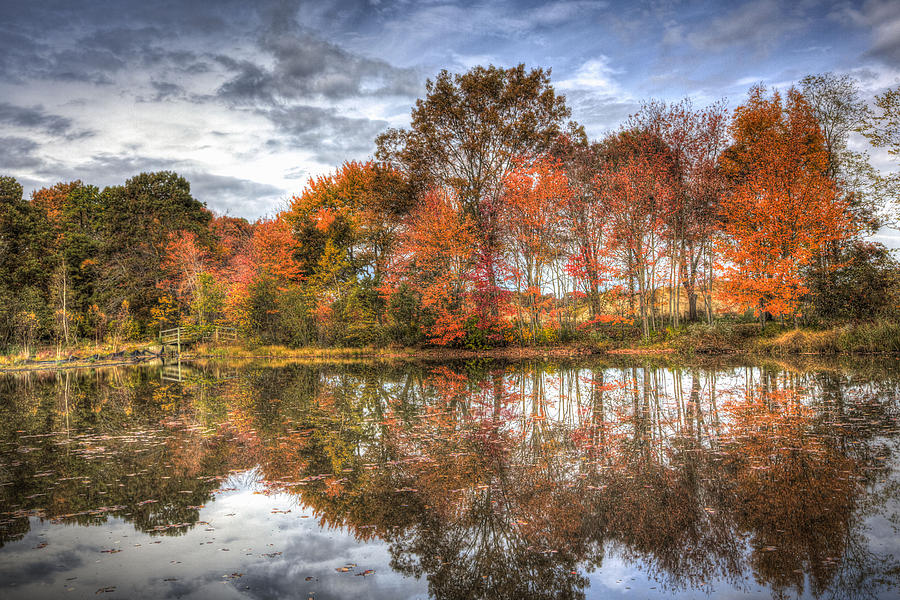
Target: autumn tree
{"type": "Point", "coordinates": [137, 219]}
{"type": "Point", "coordinates": [266, 297]}
{"type": "Point", "coordinates": [840, 111]}
{"type": "Point", "coordinates": [23, 266]}
{"type": "Point", "coordinates": [69, 215]}
{"type": "Point", "coordinates": [535, 192]}
{"type": "Point", "coordinates": [584, 218]}
{"type": "Point", "coordinates": [467, 131]}
{"type": "Point", "coordinates": [192, 279]}
{"type": "Point", "coordinates": [436, 255]}
{"type": "Point", "coordinates": [345, 224]}
{"type": "Point", "coordinates": [637, 189]}
{"type": "Point", "coordinates": [694, 140]}
{"type": "Point", "coordinates": [782, 208]}
{"type": "Point", "coordinates": [882, 128]}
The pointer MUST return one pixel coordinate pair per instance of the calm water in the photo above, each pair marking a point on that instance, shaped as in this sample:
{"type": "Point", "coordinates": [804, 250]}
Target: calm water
{"type": "Point", "coordinates": [456, 481]}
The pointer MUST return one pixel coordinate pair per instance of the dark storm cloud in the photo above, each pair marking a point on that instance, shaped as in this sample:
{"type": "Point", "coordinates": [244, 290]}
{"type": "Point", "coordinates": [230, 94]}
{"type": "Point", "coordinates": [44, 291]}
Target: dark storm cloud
{"type": "Point", "coordinates": [36, 118]}
{"type": "Point", "coordinates": [18, 153]}
{"type": "Point", "coordinates": [306, 65]}
{"type": "Point", "coordinates": [165, 90]}
{"type": "Point", "coordinates": [331, 138]}
{"type": "Point", "coordinates": [19, 56]}
{"type": "Point", "coordinates": [231, 195]}
{"type": "Point", "coordinates": [882, 17]}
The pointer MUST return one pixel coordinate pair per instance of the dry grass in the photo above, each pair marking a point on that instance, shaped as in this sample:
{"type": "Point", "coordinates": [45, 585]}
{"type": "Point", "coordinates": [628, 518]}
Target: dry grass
{"type": "Point", "coordinates": [857, 338]}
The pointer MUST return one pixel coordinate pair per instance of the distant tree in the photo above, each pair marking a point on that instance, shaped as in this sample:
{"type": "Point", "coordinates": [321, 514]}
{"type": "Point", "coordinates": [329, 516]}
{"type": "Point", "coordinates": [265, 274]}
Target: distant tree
{"type": "Point", "coordinates": [137, 221]}
{"type": "Point", "coordinates": [882, 128]}
{"type": "Point", "coordinates": [586, 219]}
{"type": "Point", "coordinates": [637, 188]}
{"type": "Point", "coordinates": [840, 111]}
{"type": "Point", "coordinates": [435, 257]}
{"type": "Point", "coordinates": [358, 209]}
{"type": "Point", "coordinates": [192, 279]}
{"type": "Point", "coordinates": [865, 285]}
{"type": "Point", "coordinates": [24, 270]}
{"type": "Point", "coordinates": [68, 212]}
{"type": "Point", "coordinates": [694, 141]}
{"type": "Point", "coordinates": [535, 192]}
{"type": "Point", "coordinates": [345, 224]}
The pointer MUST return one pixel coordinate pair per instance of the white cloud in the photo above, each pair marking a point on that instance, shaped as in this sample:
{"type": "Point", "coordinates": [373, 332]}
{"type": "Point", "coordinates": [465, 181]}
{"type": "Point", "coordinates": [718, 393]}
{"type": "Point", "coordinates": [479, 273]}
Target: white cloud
{"type": "Point", "coordinates": [595, 75]}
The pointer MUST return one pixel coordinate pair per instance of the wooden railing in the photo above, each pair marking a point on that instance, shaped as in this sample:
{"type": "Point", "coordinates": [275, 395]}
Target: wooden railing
{"type": "Point", "coordinates": [178, 336]}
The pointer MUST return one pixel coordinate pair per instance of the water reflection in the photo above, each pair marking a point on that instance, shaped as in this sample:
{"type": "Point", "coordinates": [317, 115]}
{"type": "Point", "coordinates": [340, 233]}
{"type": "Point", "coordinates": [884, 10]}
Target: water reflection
{"type": "Point", "coordinates": [491, 481]}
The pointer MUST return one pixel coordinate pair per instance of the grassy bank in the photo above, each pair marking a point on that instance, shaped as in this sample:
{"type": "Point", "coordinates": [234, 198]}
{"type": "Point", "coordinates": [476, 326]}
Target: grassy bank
{"type": "Point", "coordinates": [850, 338]}
{"type": "Point", "coordinates": [693, 340]}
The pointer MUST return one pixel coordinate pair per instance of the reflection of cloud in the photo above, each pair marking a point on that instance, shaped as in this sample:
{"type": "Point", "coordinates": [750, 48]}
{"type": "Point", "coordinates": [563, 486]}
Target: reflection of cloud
{"type": "Point", "coordinates": [140, 571]}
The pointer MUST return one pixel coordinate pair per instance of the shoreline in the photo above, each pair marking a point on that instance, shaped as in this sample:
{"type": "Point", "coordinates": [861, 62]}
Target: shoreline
{"type": "Point", "coordinates": [571, 351]}
{"type": "Point", "coordinates": [695, 343]}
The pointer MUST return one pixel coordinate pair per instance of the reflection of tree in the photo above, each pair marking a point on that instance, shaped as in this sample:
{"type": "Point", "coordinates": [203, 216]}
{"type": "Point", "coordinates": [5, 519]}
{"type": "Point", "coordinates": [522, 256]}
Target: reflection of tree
{"type": "Point", "coordinates": [491, 482]}
{"type": "Point", "coordinates": [499, 484]}
{"type": "Point", "coordinates": [120, 448]}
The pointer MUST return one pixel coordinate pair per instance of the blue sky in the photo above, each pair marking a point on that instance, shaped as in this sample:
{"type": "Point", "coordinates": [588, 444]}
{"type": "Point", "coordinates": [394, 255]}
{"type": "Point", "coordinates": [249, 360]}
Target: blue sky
{"type": "Point", "coordinates": [248, 99]}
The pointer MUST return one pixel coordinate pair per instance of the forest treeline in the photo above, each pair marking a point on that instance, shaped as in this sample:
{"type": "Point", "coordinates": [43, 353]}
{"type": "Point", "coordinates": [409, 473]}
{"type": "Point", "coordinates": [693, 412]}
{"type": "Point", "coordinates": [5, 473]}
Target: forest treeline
{"type": "Point", "coordinates": [491, 220]}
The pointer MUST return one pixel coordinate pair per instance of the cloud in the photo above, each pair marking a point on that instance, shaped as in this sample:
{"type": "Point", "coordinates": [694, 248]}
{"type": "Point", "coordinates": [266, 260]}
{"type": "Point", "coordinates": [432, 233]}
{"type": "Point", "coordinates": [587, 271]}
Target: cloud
{"type": "Point", "coordinates": [758, 25]}
{"type": "Point", "coordinates": [600, 113]}
{"type": "Point", "coordinates": [231, 195]}
{"type": "Point", "coordinates": [882, 18]}
{"type": "Point", "coordinates": [18, 153]}
{"type": "Point", "coordinates": [330, 137]}
{"type": "Point", "coordinates": [595, 75]}
{"type": "Point", "coordinates": [307, 66]}
{"type": "Point", "coordinates": [166, 90]}
{"type": "Point", "coordinates": [37, 119]}
{"type": "Point", "coordinates": [597, 100]}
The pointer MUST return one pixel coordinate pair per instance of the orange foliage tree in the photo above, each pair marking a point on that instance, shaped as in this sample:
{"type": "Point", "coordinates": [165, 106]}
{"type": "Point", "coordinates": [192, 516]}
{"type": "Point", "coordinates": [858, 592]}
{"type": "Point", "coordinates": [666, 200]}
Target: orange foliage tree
{"type": "Point", "coordinates": [531, 210]}
{"type": "Point", "coordinates": [192, 279]}
{"type": "Point", "coordinates": [782, 209]}
{"type": "Point", "coordinates": [435, 256]}
{"type": "Point", "coordinates": [345, 224]}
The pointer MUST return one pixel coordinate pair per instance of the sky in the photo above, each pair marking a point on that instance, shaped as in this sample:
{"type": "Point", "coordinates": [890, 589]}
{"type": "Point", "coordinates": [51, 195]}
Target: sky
{"type": "Point", "coordinates": [249, 99]}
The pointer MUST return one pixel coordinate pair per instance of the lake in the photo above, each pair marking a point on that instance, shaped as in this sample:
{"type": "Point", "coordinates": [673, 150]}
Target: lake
{"type": "Point", "coordinates": [590, 478]}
